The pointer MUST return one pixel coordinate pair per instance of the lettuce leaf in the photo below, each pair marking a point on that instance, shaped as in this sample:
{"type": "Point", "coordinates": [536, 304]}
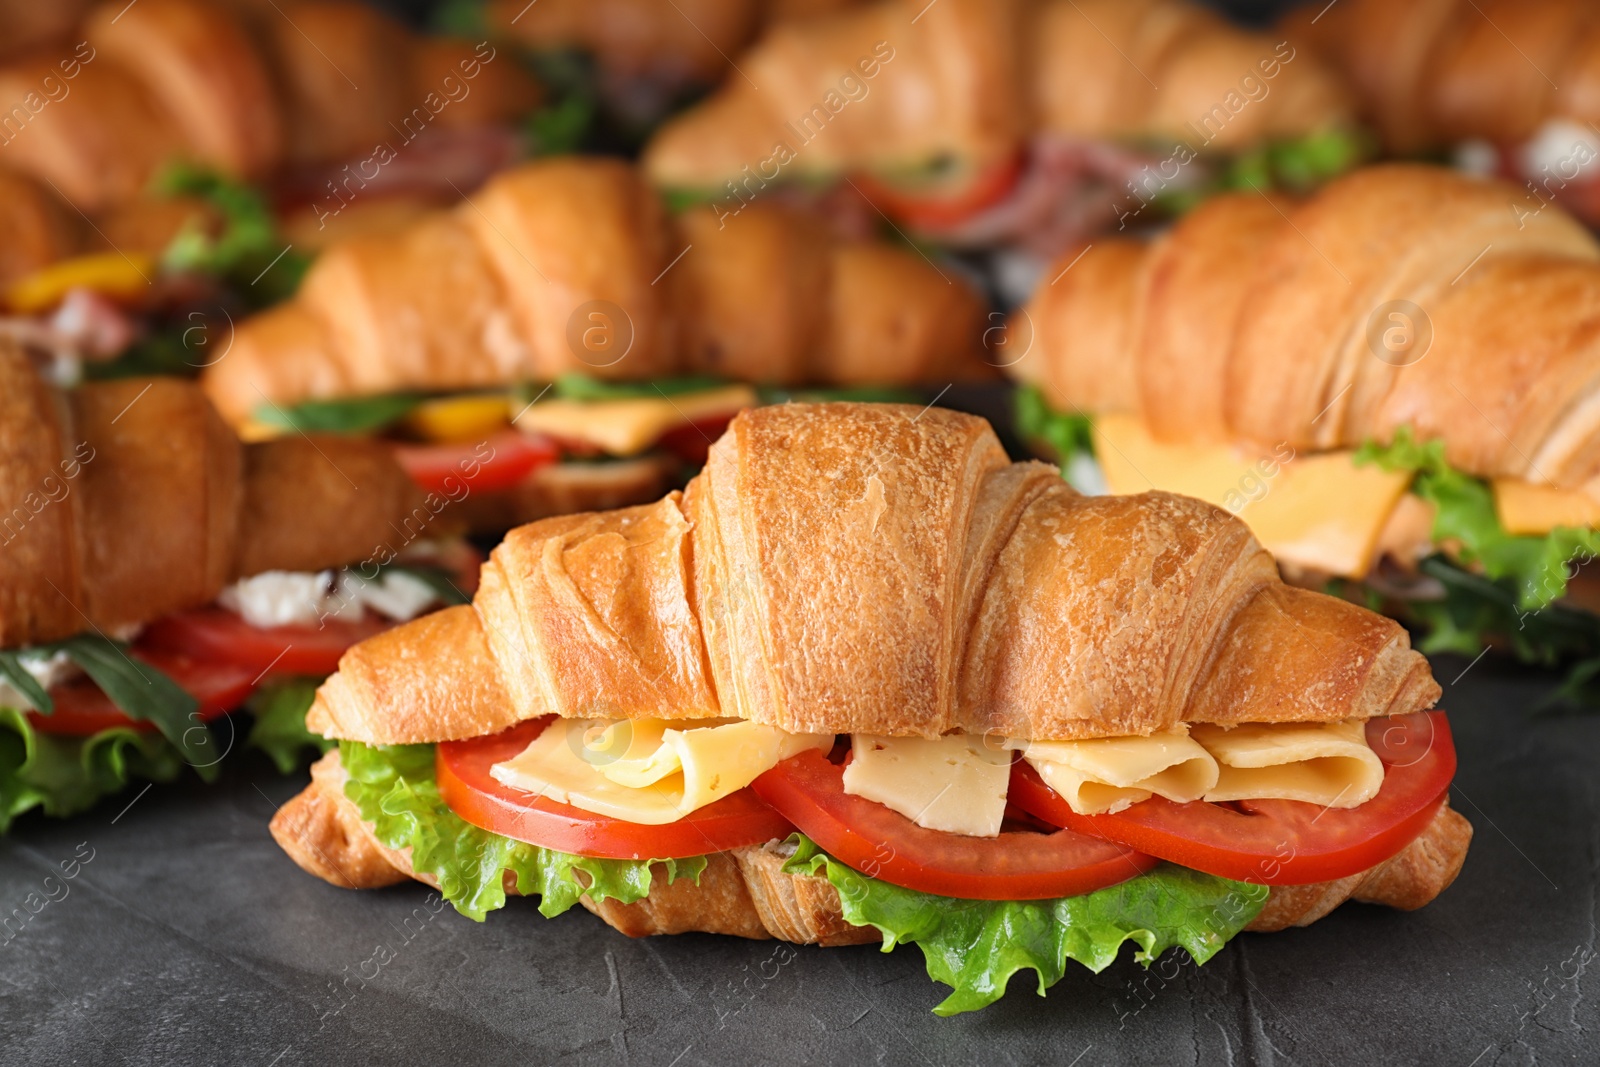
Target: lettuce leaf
{"type": "Point", "coordinates": [249, 252]}
{"type": "Point", "coordinates": [280, 730]}
{"type": "Point", "coordinates": [395, 789]}
{"type": "Point", "coordinates": [67, 775]}
{"type": "Point", "coordinates": [975, 946]}
{"type": "Point", "coordinates": [1068, 435]}
{"type": "Point", "coordinates": [1535, 567]}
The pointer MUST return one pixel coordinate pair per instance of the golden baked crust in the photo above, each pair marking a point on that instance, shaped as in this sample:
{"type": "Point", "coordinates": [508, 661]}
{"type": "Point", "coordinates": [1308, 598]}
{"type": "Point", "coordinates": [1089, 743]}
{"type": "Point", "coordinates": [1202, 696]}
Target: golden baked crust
{"type": "Point", "coordinates": [843, 567]}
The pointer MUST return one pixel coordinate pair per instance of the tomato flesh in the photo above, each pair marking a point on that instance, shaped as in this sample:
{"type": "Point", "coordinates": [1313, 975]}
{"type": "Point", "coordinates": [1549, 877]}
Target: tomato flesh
{"type": "Point", "coordinates": [1280, 842]}
{"type": "Point", "coordinates": [217, 635]}
{"type": "Point", "coordinates": [466, 785]}
{"type": "Point", "coordinates": [500, 461]}
{"type": "Point", "coordinates": [81, 709]}
{"type": "Point", "coordinates": [946, 205]}
{"type": "Point", "coordinates": [881, 843]}
{"type": "Point", "coordinates": [692, 443]}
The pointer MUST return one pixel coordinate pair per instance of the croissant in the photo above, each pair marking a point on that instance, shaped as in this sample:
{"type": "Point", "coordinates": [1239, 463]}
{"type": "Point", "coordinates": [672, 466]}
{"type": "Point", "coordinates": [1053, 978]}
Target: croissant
{"type": "Point", "coordinates": [244, 92]}
{"type": "Point", "coordinates": [132, 500]}
{"type": "Point", "coordinates": [1431, 73]}
{"type": "Point", "coordinates": [877, 570]}
{"type": "Point", "coordinates": [503, 289]}
{"type": "Point", "coordinates": [898, 86]}
{"type": "Point", "coordinates": [1371, 315]}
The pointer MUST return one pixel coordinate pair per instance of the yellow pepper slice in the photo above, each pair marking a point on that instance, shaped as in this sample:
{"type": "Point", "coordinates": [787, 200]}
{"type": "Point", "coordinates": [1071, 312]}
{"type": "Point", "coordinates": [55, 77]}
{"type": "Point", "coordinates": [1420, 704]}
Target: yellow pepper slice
{"type": "Point", "coordinates": [111, 273]}
{"type": "Point", "coordinates": [460, 418]}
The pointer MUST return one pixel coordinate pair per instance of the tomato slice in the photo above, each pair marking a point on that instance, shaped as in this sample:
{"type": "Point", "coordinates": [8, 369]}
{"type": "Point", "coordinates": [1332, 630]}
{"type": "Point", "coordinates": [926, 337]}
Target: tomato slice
{"type": "Point", "coordinates": [465, 783]}
{"type": "Point", "coordinates": [692, 442]}
{"type": "Point", "coordinates": [82, 709]}
{"type": "Point", "coordinates": [217, 635]}
{"type": "Point", "coordinates": [499, 461]}
{"type": "Point", "coordinates": [945, 204]}
{"type": "Point", "coordinates": [1280, 842]}
{"type": "Point", "coordinates": [881, 843]}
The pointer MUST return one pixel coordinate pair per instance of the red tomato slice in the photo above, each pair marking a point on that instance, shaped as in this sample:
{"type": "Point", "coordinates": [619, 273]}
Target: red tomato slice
{"type": "Point", "coordinates": [1280, 842]}
{"type": "Point", "coordinates": [692, 443]}
{"type": "Point", "coordinates": [881, 843]}
{"type": "Point", "coordinates": [499, 462]}
{"type": "Point", "coordinates": [215, 634]}
{"type": "Point", "coordinates": [465, 783]}
{"type": "Point", "coordinates": [947, 204]}
{"type": "Point", "coordinates": [82, 709]}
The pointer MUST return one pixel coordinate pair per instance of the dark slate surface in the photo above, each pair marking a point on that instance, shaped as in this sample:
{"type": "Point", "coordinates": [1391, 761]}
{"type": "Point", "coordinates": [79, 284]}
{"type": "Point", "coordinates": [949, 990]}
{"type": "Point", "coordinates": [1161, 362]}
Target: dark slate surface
{"type": "Point", "coordinates": [189, 938]}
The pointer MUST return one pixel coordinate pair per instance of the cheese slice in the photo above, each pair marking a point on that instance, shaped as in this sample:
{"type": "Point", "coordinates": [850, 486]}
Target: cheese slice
{"type": "Point", "coordinates": [1525, 508]}
{"type": "Point", "coordinates": [955, 783]}
{"type": "Point", "coordinates": [648, 771]}
{"type": "Point", "coordinates": [1320, 512]}
{"type": "Point", "coordinates": [1320, 763]}
{"type": "Point", "coordinates": [628, 427]}
{"type": "Point", "coordinates": [1108, 774]}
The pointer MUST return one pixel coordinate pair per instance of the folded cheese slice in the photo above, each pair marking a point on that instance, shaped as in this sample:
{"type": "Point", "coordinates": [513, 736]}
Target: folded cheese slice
{"type": "Point", "coordinates": [1316, 511]}
{"type": "Point", "coordinates": [956, 783]}
{"type": "Point", "coordinates": [1320, 763]}
{"type": "Point", "coordinates": [629, 426]}
{"type": "Point", "coordinates": [1108, 774]}
{"type": "Point", "coordinates": [648, 771]}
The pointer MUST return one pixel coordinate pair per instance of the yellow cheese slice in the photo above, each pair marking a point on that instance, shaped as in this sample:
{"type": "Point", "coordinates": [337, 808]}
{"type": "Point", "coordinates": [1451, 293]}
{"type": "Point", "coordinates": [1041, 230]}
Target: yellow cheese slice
{"type": "Point", "coordinates": [648, 771]}
{"type": "Point", "coordinates": [1320, 763]}
{"type": "Point", "coordinates": [1317, 511]}
{"type": "Point", "coordinates": [1108, 774]}
{"type": "Point", "coordinates": [955, 783]}
{"type": "Point", "coordinates": [628, 427]}
{"type": "Point", "coordinates": [1525, 508]}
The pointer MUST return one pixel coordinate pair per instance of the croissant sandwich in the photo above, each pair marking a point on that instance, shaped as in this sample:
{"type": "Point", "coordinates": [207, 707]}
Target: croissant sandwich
{"type": "Point", "coordinates": [1020, 123]}
{"type": "Point", "coordinates": [155, 574]}
{"type": "Point", "coordinates": [1512, 87]}
{"type": "Point", "coordinates": [1391, 383]}
{"type": "Point", "coordinates": [562, 314]}
{"type": "Point", "coordinates": [868, 680]}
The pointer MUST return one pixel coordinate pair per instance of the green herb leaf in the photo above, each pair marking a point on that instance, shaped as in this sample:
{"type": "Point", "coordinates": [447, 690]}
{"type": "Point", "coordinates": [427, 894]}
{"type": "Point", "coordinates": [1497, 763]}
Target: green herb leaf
{"type": "Point", "coordinates": [142, 692]}
{"type": "Point", "coordinates": [859, 394]}
{"type": "Point", "coordinates": [12, 670]}
{"type": "Point", "coordinates": [461, 18]}
{"type": "Point", "coordinates": [66, 775]}
{"type": "Point", "coordinates": [975, 946]}
{"type": "Point", "coordinates": [563, 127]}
{"type": "Point", "coordinates": [582, 387]}
{"type": "Point", "coordinates": [249, 252]}
{"type": "Point", "coordinates": [395, 789]}
{"type": "Point", "coordinates": [279, 730]}
{"type": "Point", "coordinates": [355, 415]}
{"type": "Point", "coordinates": [1067, 435]}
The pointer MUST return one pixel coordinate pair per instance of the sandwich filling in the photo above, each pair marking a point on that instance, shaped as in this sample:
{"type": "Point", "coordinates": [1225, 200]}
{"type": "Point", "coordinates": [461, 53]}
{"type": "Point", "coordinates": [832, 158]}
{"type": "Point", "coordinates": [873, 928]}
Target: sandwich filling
{"type": "Point", "coordinates": [1469, 559]}
{"type": "Point", "coordinates": [81, 718]}
{"type": "Point", "coordinates": [994, 855]}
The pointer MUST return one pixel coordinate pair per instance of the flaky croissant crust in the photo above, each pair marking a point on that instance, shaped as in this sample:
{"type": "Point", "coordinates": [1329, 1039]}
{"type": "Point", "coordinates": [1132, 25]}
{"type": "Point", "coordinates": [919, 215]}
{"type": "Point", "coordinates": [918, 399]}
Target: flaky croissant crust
{"type": "Point", "coordinates": [1401, 297]}
{"type": "Point", "coordinates": [876, 568]}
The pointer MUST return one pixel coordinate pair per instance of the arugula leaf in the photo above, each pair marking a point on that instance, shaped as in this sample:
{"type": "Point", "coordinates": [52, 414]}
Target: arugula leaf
{"type": "Point", "coordinates": [461, 18]}
{"type": "Point", "coordinates": [562, 127]}
{"type": "Point", "coordinates": [1067, 435]}
{"type": "Point", "coordinates": [1537, 566]}
{"type": "Point", "coordinates": [140, 691]}
{"type": "Point", "coordinates": [572, 386]}
{"type": "Point", "coordinates": [352, 415]}
{"type": "Point", "coordinates": [13, 671]}
{"type": "Point", "coordinates": [66, 775]}
{"type": "Point", "coordinates": [280, 730]}
{"type": "Point", "coordinates": [395, 789]}
{"type": "Point", "coordinates": [975, 946]}
{"type": "Point", "coordinates": [249, 251]}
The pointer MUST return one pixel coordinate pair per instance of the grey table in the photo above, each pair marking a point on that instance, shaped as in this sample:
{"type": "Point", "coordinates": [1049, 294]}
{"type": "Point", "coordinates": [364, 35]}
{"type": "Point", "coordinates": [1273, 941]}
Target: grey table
{"type": "Point", "coordinates": [189, 938]}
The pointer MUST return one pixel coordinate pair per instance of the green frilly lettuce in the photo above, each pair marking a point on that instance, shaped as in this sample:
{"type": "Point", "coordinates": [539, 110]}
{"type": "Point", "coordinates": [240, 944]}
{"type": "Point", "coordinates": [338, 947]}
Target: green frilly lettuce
{"type": "Point", "coordinates": [1535, 568]}
{"type": "Point", "coordinates": [975, 946]}
{"type": "Point", "coordinates": [396, 791]}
